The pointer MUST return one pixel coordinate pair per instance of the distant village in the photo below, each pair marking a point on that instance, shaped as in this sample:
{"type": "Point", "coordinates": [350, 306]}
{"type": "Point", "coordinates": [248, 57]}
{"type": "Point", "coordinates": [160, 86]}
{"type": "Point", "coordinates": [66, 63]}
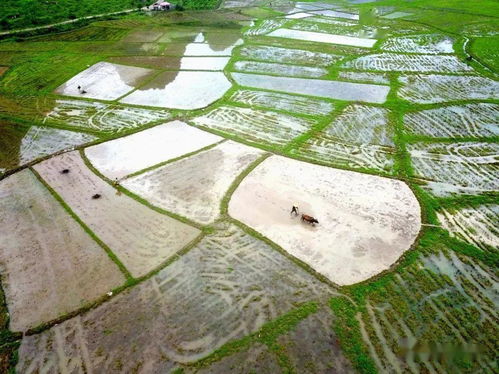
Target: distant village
{"type": "Point", "coordinates": [160, 6]}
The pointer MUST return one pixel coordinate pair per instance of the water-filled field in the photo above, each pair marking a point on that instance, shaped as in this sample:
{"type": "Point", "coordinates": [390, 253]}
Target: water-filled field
{"type": "Point", "coordinates": [150, 164]}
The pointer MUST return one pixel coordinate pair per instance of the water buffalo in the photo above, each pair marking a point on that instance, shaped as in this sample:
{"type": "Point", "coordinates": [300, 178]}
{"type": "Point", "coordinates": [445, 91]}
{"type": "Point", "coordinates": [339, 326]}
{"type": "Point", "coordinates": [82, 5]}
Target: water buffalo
{"type": "Point", "coordinates": [309, 219]}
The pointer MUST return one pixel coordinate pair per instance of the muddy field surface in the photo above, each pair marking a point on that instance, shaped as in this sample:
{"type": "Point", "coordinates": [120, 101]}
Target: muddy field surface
{"type": "Point", "coordinates": [224, 288]}
{"type": "Point", "coordinates": [38, 265]}
{"type": "Point", "coordinates": [362, 230]}
{"type": "Point", "coordinates": [142, 238]}
{"type": "Point", "coordinates": [188, 188]}
{"type": "Point", "coordinates": [124, 156]}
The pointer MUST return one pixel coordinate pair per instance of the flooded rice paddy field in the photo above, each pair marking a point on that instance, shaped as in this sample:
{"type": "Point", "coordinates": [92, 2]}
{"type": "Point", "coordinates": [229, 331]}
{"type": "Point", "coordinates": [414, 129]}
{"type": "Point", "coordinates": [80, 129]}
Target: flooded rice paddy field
{"type": "Point", "coordinates": [148, 166]}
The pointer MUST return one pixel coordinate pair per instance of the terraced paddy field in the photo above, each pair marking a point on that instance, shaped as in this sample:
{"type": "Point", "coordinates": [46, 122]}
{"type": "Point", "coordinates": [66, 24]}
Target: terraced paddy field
{"type": "Point", "coordinates": [149, 164]}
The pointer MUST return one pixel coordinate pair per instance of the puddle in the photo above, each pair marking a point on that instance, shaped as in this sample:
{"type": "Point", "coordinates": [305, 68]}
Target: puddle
{"type": "Point", "coordinates": [286, 55]}
{"type": "Point", "coordinates": [322, 38]}
{"type": "Point", "coordinates": [152, 62]}
{"type": "Point", "coordinates": [104, 81]}
{"type": "Point", "coordinates": [276, 100]}
{"type": "Point", "coordinates": [203, 63]}
{"type": "Point", "coordinates": [315, 87]}
{"type": "Point", "coordinates": [181, 90]}
{"type": "Point", "coordinates": [279, 69]}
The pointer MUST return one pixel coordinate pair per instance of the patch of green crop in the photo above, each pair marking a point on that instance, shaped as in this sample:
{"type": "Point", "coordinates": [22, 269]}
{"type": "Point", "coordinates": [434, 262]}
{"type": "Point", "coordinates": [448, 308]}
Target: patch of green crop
{"type": "Point", "coordinates": [347, 329]}
{"type": "Point", "coordinates": [267, 335]}
{"type": "Point", "coordinates": [486, 50]}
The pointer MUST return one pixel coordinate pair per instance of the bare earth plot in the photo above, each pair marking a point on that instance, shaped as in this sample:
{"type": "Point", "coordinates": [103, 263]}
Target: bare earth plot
{"type": "Point", "coordinates": [360, 137]}
{"type": "Point", "coordinates": [181, 90]}
{"type": "Point", "coordinates": [428, 89]}
{"type": "Point", "coordinates": [476, 120]}
{"type": "Point", "coordinates": [105, 81]}
{"type": "Point", "coordinates": [121, 157]}
{"type": "Point", "coordinates": [475, 225]}
{"type": "Point", "coordinates": [226, 287]}
{"type": "Point", "coordinates": [456, 168]}
{"type": "Point", "coordinates": [280, 101]}
{"type": "Point", "coordinates": [50, 265]}
{"type": "Point", "coordinates": [366, 222]}
{"type": "Point", "coordinates": [141, 238]}
{"type": "Point", "coordinates": [315, 87]}
{"type": "Point", "coordinates": [194, 187]}
{"type": "Point", "coordinates": [255, 125]}
{"type": "Point", "coordinates": [102, 117]}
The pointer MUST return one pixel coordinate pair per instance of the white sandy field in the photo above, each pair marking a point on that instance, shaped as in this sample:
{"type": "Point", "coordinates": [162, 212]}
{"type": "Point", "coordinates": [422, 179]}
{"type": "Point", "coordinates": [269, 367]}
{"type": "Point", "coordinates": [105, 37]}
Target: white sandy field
{"type": "Point", "coordinates": [105, 81]}
{"type": "Point", "coordinates": [366, 222]}
{"type": "Point", "coordinates": [121, 157]}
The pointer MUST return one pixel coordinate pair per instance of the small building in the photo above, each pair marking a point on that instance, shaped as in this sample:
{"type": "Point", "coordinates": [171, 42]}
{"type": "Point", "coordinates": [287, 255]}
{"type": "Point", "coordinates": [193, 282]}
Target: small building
{"type": "Point", "coordinates": [160, 5]}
